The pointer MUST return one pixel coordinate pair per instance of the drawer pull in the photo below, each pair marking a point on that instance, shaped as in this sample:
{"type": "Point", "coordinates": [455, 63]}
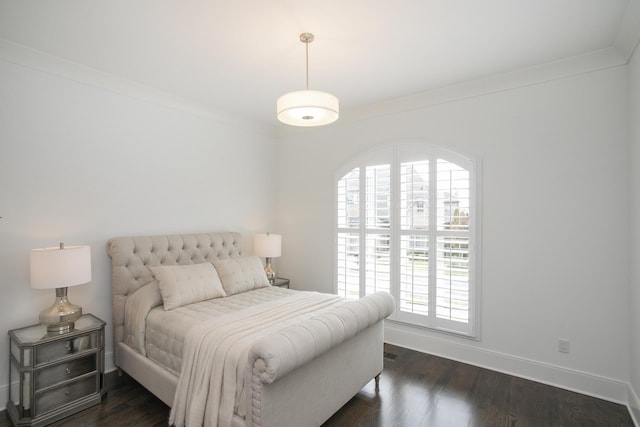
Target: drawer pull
{"type": "Point", "coordinates": [67, 392]}
{"type": "Point", "coordinates": [68, 346]}
{"type": "Point", "coordinates": [68, 371]}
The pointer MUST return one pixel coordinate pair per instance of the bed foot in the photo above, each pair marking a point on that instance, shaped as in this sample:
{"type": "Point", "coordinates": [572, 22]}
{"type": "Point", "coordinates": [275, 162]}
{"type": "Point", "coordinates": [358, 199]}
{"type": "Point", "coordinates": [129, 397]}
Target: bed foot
{"type": "Point", "coordinates": [377, 382]}
{"type": "Point", "coordinates": [119, 372]}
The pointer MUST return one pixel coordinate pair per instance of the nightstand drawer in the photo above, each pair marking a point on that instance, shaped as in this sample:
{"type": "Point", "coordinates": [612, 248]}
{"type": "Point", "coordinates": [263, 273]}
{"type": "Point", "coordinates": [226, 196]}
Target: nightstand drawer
{"type": "Point", "coordinates": [59, 349]}
{"type": "Point", "coordinates": [52, 375]}
{"type": "Point", "coordinates": [48, 400]}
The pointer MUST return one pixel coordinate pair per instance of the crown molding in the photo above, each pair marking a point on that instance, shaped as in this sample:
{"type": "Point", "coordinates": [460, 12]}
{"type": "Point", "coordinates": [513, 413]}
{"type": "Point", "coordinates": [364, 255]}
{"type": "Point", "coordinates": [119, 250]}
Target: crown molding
{"type": "Point", "coordinates": [27, 57]}
{"type": "Point", "coordinates": [629, 33]}
{"type": "Point", "coordinates": [620, 53]}
{"type": "Point", "coordinates": [568, 67]}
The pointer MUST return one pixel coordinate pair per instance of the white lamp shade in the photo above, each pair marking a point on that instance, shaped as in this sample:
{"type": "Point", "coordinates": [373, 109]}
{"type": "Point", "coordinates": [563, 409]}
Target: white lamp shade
{"type": "Point", "coordinates": [60, 268]}
{"type": "Point", "coordinates": [308, 108]}
{"type": "Point", "coordinates": [267, 245]}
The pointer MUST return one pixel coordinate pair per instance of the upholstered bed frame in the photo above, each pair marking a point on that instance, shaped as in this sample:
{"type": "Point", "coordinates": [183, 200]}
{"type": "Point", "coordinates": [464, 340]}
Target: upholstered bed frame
{"type": "Point", "coordinates": [305, 391]}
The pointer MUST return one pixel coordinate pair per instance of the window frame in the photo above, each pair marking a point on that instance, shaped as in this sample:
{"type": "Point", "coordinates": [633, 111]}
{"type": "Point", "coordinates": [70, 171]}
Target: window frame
{"type": "Point", "coordinates": [395, 154]}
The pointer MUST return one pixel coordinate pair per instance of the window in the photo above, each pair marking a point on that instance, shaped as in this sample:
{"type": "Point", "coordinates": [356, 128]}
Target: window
{"type": "Point", "coordinates": [406, 224]}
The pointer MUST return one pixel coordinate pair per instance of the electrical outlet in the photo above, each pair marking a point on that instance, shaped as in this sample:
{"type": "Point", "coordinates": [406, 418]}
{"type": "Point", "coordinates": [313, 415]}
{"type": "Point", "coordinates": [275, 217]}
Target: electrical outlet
{"type": "Point", "coordinates": [563, 346]}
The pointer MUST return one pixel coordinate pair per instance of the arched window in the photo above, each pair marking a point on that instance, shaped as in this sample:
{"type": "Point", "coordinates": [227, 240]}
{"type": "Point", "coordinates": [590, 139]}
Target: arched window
{"type": "Point", "coordinates": [407, 223]}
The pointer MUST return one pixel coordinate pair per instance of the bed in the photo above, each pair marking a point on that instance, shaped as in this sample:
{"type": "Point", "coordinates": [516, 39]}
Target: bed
{"type": "Point", "coordinates": [241, 354]}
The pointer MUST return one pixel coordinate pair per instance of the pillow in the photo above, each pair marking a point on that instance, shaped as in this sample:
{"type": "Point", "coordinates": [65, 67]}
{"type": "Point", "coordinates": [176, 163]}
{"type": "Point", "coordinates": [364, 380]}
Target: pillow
{"type": "Point", "coordinates": [185, 284]}
{"type": "Point", "coordinates": [136, 309]}
{"type": "Point", "coordinates": [241, 274]}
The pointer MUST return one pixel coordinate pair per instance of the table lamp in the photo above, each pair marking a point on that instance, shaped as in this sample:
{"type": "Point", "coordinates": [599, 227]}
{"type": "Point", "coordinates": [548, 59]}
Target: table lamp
{"type": "Point", "coordinates": [268, 246]}
{"type": "Point", "coordinates": [60, 267]}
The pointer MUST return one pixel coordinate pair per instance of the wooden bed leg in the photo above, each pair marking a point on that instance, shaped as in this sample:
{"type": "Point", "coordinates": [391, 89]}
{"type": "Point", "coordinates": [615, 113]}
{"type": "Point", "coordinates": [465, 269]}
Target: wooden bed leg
{"type": "Point", "coordinates": [119, 372]}
{"type": "Point", "coordinates": [377, 382]}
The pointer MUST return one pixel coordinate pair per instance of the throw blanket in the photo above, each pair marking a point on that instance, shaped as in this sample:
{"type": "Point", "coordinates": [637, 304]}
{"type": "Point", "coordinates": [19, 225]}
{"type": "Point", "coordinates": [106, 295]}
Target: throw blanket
{"type": "Point", "coordinates": [211, 384]}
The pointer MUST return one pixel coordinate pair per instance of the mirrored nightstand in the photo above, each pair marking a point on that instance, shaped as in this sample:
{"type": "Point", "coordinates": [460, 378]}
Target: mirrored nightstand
{"type": "Point", "coordinates": [279, 281]}
{"type": "Point", "coordinates": [52, 375]}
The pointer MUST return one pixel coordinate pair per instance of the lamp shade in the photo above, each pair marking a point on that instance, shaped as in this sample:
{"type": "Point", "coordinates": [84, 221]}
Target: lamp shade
{"type": "Point", "coordinates": [60, 267]}
{"type": "Point", "coordinates": [267, 245]}
{"type": "Point", "coordinates": [307, 108]}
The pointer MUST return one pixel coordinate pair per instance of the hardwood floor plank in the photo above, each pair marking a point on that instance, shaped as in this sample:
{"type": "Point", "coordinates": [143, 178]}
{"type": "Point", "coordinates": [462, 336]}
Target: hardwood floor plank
{"type": "Point", "coordinates": [416, 389]}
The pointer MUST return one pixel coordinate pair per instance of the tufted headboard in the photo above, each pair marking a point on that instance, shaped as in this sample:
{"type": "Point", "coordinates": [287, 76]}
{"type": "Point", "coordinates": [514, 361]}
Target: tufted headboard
{"type": "Point", "coordinates": [131, 258]}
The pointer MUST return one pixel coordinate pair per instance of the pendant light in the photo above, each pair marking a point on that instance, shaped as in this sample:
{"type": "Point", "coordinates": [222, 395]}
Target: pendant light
{"type": "Point", "coordinates": [307, 107]}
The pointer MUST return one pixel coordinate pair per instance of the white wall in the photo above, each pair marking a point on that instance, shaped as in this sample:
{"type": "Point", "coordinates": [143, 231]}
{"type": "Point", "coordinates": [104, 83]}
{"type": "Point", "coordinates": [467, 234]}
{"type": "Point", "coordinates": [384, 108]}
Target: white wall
{"type": "Point", "coordinates": [81, 162]}
{"type": "Point", "coordinates": [634, 216]}
{"type": "Point", "coordinates": [554, 258]}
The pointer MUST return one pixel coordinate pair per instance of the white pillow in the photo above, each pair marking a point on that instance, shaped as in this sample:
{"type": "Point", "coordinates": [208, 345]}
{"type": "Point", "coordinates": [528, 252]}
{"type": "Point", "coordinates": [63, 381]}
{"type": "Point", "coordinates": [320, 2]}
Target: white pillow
{"type": "Point", "coordinates": [136, 309]}
{"type": "Point", "coordinates": [241, 274]}
{"type": "Point", "coordinates": [185, 284]}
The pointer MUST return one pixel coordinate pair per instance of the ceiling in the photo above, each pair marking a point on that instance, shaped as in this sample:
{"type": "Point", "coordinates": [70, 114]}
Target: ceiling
{"type": "Point", "coordinates": [239, 56]}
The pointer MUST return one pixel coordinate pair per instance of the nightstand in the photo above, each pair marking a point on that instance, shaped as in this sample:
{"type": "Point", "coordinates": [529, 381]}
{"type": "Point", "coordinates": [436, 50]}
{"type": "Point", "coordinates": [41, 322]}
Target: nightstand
{"type": "Point", "coordinates": [52, 375]}
{"type": "Point", "coordinates": [279, 281]}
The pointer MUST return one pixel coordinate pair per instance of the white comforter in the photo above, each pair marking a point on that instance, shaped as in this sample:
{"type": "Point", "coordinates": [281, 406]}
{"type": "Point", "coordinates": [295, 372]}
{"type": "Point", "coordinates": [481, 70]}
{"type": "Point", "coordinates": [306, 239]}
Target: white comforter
{"type": "Point", "coordinates": [159, 334]}
{"type": "Point", "coordinates": [211, 385]}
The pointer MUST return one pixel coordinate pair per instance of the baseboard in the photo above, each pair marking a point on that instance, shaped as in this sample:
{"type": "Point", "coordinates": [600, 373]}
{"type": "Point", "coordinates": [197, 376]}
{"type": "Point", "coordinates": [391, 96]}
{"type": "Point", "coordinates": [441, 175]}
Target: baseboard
{"type": "Point", "coordinates": [4, 396]}
{"type": "Point", "coordinates": [634, 406]}
{"type": "Point", "coordinates": [581, 382]}
{"type": "Point", "coordinates": [109, 362]}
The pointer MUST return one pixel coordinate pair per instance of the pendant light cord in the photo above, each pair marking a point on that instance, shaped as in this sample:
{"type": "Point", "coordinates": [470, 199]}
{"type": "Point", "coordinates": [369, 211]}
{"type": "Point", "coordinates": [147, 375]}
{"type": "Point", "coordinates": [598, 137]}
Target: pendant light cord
{"type": "Point", "coordinates": [306, 42]}
{"type": "Point", "coordinates": [307, 38]}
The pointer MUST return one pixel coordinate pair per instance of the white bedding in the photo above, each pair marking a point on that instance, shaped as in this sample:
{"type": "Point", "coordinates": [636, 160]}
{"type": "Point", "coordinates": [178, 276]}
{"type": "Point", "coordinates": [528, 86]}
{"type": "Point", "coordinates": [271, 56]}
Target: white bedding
{"type": "Point", "coordinates": [211, 388]}
{"type": "Point", "coordinates": [165, 330]}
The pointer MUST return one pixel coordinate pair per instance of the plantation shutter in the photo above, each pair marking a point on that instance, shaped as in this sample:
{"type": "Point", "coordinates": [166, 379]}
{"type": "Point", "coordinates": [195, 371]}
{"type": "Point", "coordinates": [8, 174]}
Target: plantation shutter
{"type": "Point", "coordinates": [405, 226]}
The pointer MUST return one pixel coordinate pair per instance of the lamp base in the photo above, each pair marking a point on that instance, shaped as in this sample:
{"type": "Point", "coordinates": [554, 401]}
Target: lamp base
{"type": "Point", "coordinates": [61, 316]}
{"type": "Point", "coordinates": [271, 273]}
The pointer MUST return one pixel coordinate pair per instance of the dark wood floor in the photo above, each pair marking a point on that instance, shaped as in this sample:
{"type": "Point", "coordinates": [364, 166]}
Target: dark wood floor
{"type": "Point", "coordinates": [416, 389]}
